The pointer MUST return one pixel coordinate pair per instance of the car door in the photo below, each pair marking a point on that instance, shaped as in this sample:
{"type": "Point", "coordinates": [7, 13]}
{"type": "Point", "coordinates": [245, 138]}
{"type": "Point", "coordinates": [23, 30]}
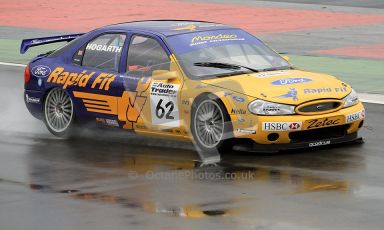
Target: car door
{"type": "Point", "coordinates": [97, 89]}
{"type": "Point", "coordinates": [153, 103]}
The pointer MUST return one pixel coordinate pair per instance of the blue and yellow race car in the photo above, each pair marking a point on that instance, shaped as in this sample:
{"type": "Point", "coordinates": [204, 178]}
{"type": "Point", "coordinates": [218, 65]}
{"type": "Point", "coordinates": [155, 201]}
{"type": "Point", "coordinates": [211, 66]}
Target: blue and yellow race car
{"type": "Point", "coordinates": [211, 83]}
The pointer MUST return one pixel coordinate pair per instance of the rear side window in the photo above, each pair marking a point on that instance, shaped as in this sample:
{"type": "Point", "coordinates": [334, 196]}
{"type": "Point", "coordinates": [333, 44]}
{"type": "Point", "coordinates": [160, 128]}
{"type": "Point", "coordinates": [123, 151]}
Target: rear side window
{"type": "Point", "coordinates": [103, 52]}
{"type": "Point", "coordinates": [146, 53]}
{"type": "Point", "coordinates": [65, 47]}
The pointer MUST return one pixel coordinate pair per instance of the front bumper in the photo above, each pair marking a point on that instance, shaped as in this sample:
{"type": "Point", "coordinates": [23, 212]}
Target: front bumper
{"type": "Point", "coordinates": [300, 131]}
{"type": "Point", "coordinates": [273, 148]}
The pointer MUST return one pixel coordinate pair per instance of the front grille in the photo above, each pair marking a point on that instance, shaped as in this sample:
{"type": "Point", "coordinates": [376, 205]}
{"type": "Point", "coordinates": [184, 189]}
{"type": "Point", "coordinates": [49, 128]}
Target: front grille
{"type": "Point", "coordinates": [319, 134]}
{"type": "Point", "coordinates": [319, 107]}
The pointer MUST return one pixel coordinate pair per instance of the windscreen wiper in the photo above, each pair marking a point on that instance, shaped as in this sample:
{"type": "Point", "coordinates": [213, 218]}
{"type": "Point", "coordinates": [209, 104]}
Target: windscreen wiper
{"type": "Point", "coordinates": [221, 65]}
{"type": "Point", "coordinates": [276, 68]}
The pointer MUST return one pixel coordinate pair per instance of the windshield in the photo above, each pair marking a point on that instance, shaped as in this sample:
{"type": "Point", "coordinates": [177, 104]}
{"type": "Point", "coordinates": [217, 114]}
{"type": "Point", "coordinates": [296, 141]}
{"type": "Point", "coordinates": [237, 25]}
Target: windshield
{"type": "Point", "coordinates": [222, 53]}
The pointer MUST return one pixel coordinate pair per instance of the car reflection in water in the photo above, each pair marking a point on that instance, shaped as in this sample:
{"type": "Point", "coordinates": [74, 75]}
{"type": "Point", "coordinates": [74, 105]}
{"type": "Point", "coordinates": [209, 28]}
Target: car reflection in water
{"type": "Point", "coordinates": [170, 181]}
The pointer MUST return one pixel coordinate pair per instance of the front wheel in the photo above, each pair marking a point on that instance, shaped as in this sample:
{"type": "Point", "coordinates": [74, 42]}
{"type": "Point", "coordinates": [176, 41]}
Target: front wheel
{"type": "Point", "coordinates": [58, 113]}
{"type": "Point", "coordinates": [210, 125]}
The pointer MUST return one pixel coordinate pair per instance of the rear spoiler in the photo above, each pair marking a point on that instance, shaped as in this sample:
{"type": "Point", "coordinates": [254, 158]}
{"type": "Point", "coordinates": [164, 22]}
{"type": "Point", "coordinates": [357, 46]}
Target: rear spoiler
{"type": "Point", "coordinates": [27, 43]}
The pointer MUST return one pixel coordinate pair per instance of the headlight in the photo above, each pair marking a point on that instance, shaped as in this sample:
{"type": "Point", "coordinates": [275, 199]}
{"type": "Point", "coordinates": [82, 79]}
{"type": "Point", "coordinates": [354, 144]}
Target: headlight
{"type": "Point", "coordinates": [261, 107]}
{"type": "Point", "coordinates": [351, 99]}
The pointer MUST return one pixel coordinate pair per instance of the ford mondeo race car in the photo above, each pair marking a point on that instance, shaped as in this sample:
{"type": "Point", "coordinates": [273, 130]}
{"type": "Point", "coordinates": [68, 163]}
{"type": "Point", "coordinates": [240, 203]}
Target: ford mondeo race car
{"type": "Point", "coordinates": [211, 83]}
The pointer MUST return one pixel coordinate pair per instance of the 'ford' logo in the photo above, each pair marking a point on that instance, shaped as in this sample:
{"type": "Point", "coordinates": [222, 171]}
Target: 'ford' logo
{"type": "Point", "coordinates": [41, 71]}
{"type": "Point", "coordinates": [239, 99]}
{"type": "Point", "coordinates": [290, 81]}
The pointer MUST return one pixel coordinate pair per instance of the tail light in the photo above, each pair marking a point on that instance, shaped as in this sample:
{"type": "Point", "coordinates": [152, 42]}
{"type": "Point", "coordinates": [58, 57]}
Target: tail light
{"type": "Point", "coordinates": [27, 75]}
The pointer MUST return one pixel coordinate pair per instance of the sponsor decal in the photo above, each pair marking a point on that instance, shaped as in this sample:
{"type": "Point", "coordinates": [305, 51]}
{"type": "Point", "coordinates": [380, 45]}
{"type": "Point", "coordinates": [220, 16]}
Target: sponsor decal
{"type": "Point", "coordinates": [323, 122]}
{"type": "Point", "coordinates": [292, 93]}
{"type": "Point", "coordinates": [177, 131]}
{"type": "Point", "coordinates": [281, 126]}
{"type": "Point", "coordinates": [83, 79]}
{"type": "Point", "coordinates": [355, 116]}
{"type": "Point", "coordinates": [185, 102]}
{"type": "Point", "coordinates": [238, 98]}
{"type": "Point", "coordinates": [209, 38]}
{"type": "Point", "coordinates": [199, 40]}
{"type": "Point", "coordinates": [193, 26]}
{"type": "Point", "coordinates": [325, 90]}
{"type": "Point", "coordinates": [246, 131]}
{"type": "Point", "coordinates": [241, 120]}
{"type": "Point", "coordinates": [107, 122]}
{"type": "Point", "coordinates": [140, 126]}
{"type": "Point", "coordinates": [130, 77]}
{"type": "Point", "coordinates": [238, 111]}
{"type": "Point", "coordinates": [227, 93]}
{"type": "Point", "coordinates": [32, 100]}
{"type": "Point", "coordinates": [291, 81]}
{"type": "Point", "coordinates": [164, 106]}
{"type": "Point", "coordinates": [41, 71]}
{"type": "Point", "coordinates": [188, 27]}
{"type": "Point", "coordinates": [110, 122]}
{"type": "Point", "coordinates": [269, 74]}
{"type": "Point", "coordinates": [201, 86]}
{"type": "Point", "coordinates": [105, 48]}
{"type": "Point", "coordinates": [64, 37]}
{"type": "Point", "coordinates": [319, 143]}
{"type": "Point", "coordinates": [128, 107]}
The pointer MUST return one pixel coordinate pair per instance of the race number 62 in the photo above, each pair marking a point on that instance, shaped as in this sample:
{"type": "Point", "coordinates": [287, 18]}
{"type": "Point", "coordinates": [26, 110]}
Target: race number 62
{"type": "Point", "coordinates": [167, 110]}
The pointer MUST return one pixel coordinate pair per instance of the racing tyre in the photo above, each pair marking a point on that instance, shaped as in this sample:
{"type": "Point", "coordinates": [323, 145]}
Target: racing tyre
{"type": "Point", "coordinates": [211, 126]}
{"type": "Point", "coordinates": [58, 113]}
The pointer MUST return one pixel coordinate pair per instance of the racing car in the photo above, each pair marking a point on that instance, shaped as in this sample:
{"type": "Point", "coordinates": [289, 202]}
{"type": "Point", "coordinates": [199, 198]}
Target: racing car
{"type": "Point", "coordinates": [210, 83]}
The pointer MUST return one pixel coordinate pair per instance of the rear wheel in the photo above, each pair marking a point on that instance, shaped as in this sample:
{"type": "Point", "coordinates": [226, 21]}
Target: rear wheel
{"type": "Point", "coordinates": [210, 125]}
{"type": "Point", "coordinates": [59, 113]}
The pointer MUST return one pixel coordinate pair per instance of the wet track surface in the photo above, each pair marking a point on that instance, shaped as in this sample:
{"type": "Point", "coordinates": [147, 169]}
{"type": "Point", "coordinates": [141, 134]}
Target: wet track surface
{"type": "Point", "coordinates": [110, 181]}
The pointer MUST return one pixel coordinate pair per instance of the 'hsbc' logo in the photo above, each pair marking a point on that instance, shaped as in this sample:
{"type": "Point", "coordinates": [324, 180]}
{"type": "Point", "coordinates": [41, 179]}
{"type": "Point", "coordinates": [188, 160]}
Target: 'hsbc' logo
{"type": "Point", "coordinates": [281, 126]}
{"type": "Point", "coordinates": [294, 126]}
{"type": "Point", "coordinates": [355, 116]}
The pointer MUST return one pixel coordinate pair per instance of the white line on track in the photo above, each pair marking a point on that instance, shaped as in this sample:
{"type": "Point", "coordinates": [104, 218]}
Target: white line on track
{"type": "Point", "coordinates": [372, 98]}
{"type": "Point", "coordinates": [364, 97]}
{"type": "Point", "coordinates": [12, 64]}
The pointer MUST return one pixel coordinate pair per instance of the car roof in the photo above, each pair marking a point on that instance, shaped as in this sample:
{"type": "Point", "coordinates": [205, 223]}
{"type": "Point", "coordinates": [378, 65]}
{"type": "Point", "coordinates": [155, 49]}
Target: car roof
{"type": "Point", "coordinates": [169, 27]}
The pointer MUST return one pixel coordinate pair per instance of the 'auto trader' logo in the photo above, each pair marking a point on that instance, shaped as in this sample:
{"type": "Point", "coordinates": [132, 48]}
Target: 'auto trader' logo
{"type": "Point", "coordinates": [41, 71]}
{"type": "Point", "coordinates": [291, 81]}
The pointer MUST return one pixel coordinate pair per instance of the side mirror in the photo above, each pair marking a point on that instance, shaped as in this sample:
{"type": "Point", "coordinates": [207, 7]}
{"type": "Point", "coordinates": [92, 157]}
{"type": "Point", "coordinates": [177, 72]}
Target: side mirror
{"type": "Point", "coordinates": [163, 75]}
{"type": "Point", "coordinates": [287, 58]}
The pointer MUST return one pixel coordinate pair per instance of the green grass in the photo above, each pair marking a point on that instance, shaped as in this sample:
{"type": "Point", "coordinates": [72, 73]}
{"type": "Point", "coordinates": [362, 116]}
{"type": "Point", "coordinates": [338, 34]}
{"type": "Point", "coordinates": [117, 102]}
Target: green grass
{"type": "Point", "coordinates": [10, 51]}
{"type": "Point", "coordinates": [363, 74]}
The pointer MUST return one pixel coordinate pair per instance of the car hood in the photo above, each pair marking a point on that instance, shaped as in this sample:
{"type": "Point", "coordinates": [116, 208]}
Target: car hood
{"type": "Point", "coordinates": [285, 86]}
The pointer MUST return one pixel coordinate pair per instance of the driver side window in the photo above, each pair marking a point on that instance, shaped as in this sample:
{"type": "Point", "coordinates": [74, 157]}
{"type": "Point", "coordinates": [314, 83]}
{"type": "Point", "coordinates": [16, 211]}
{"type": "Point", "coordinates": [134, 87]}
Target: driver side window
{"type": "Point", "coordinates": [102, 52]}
{"type": "Point", "coordinates": [145, 54]}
